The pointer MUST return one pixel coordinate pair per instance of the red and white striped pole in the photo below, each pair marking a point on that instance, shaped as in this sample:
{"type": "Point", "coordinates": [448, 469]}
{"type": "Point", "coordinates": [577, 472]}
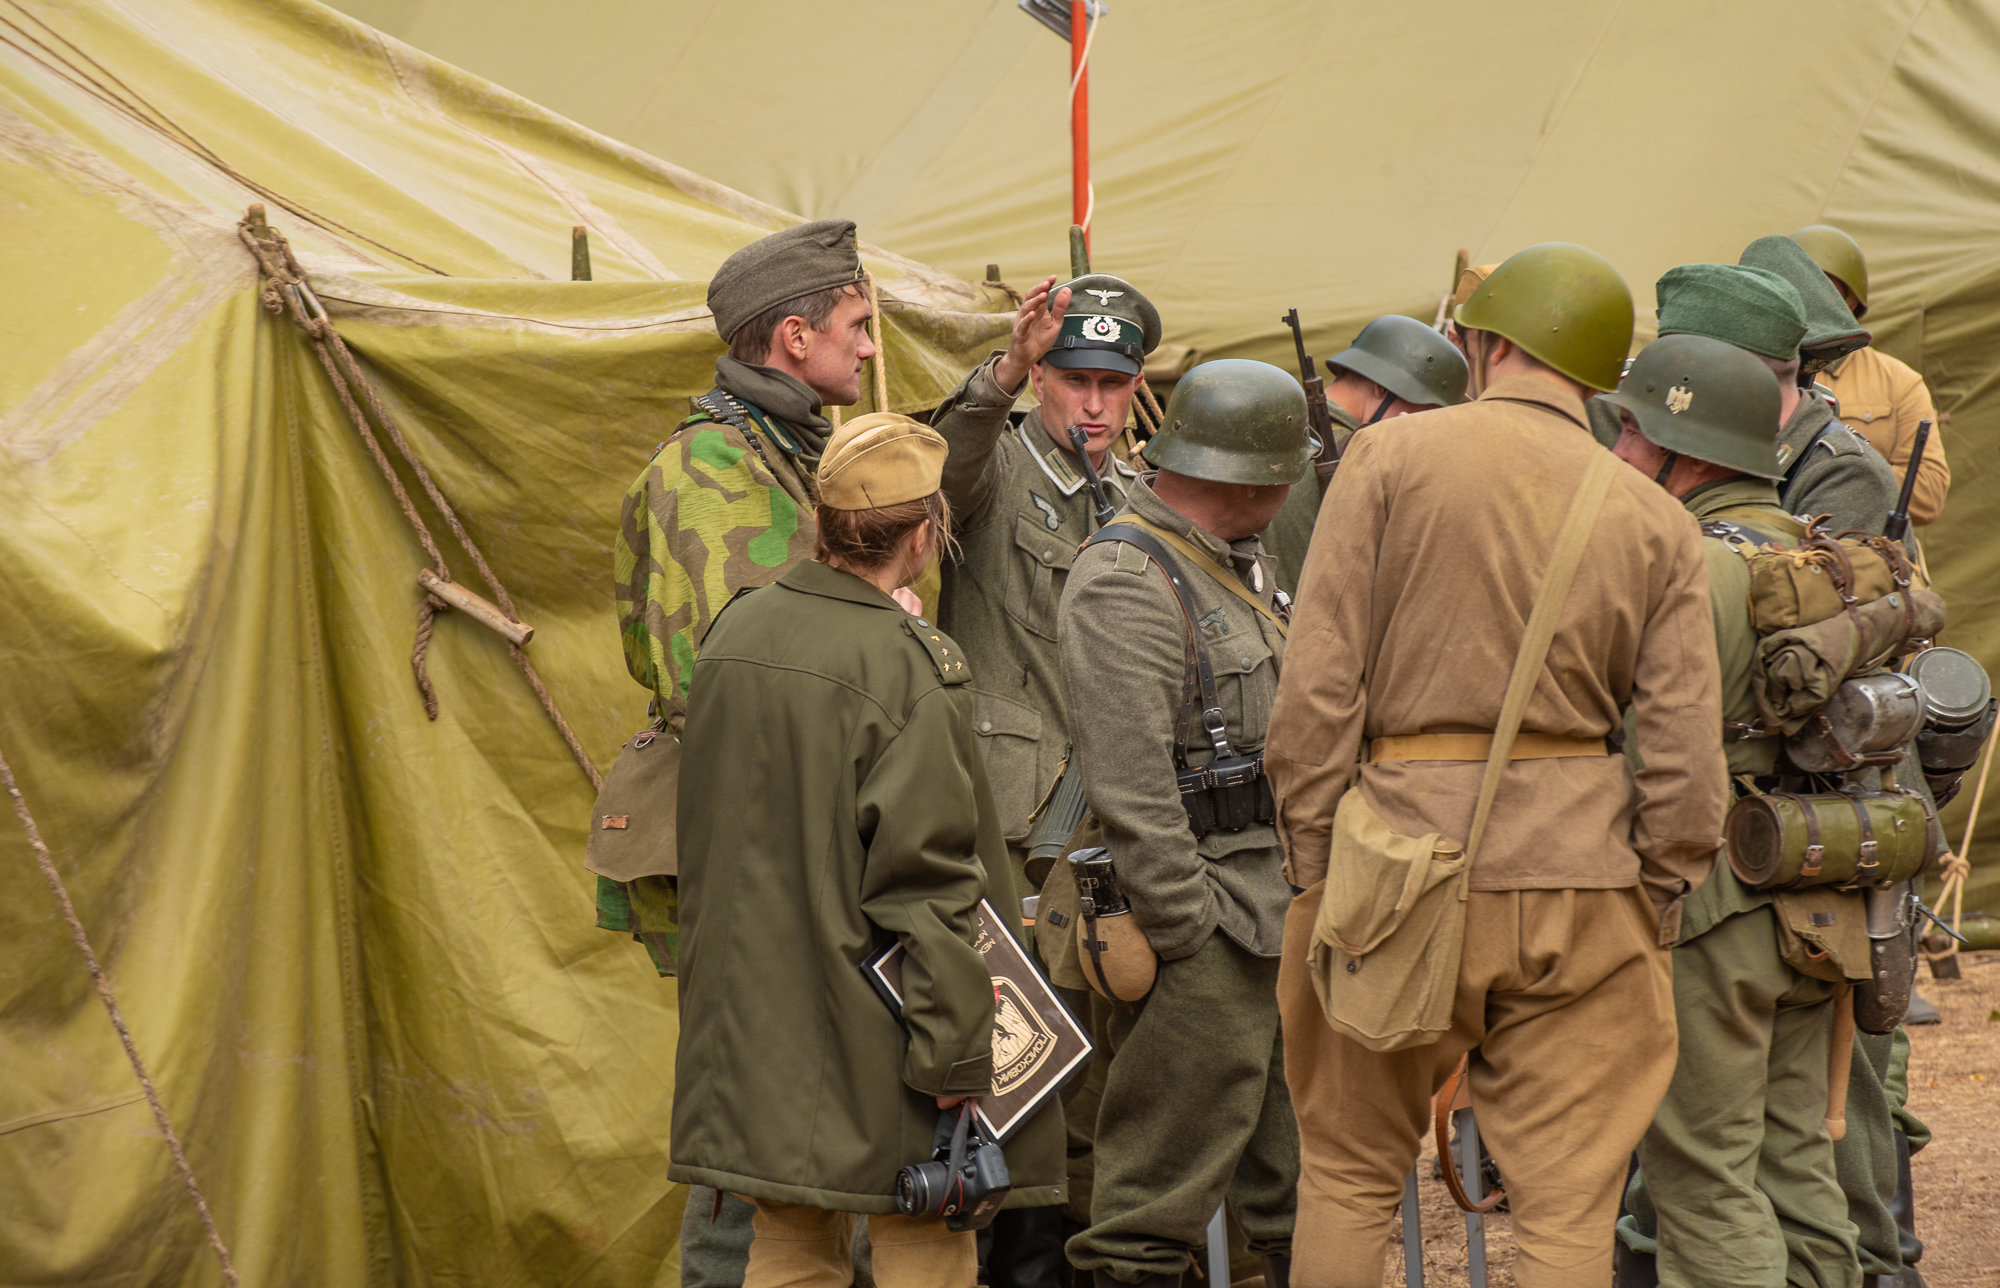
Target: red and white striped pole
{"type": "Point", "coordinates": [1081, 198]}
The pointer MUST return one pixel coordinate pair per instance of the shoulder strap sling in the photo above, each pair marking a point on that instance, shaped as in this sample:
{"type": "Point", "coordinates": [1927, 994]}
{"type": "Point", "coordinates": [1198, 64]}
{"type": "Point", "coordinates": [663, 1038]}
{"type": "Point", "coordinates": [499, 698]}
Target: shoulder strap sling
{"type": "Point", "coordinates": [1535, 641]}
{"type": "Point", "coordinates": [1200, 676]}
{"type": "Point", "coordinates": [1791, 475]}
{"type": "Point", "coordinates": [1541, 632]}
{"type": "Point", "coordinates": [1201, 559]}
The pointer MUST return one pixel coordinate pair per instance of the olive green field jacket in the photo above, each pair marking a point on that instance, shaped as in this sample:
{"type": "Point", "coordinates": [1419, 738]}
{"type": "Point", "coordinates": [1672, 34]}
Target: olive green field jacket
{"type": "Point", "coordinates": [832, 805]}
{"type": "Point", "coordinates": [1021, 508]}
{"type": "Point", "coordinates": [1124, 660]}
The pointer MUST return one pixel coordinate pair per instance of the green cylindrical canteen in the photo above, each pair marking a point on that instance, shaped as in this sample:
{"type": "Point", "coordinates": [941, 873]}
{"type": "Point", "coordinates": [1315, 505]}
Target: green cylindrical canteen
{"type": "Point", "coordinates": [1706, 399]}
{"type": "Point", "coordinates": [1236, 421]}
{"type": "Point", "coordinates": [1564, 304]}
{"type": "Point", "coordinates": [1788, 842]}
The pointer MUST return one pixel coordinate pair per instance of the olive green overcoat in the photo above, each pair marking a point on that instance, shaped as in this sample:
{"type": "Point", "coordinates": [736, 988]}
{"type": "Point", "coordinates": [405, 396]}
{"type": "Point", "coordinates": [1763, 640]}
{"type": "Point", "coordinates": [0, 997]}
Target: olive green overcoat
{"type": "Point", "coordinates": [832, 804]}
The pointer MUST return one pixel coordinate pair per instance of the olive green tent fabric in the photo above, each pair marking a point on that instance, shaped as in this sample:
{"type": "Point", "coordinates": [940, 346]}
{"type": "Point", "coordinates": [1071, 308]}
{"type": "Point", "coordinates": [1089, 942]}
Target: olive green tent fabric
{"type": "Point", "coordinates": [355, 946]}
{"type": "Point", "coordinates": [1334, 154]}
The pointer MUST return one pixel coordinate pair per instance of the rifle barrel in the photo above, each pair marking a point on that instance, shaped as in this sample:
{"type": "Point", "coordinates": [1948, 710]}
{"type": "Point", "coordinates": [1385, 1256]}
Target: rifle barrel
{"type": "Point", "coordinates": [1899, 518]}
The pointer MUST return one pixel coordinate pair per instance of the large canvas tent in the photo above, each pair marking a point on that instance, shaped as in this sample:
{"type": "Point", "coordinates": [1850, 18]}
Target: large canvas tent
{"type": "Point", "coordinates": [1334, 154]}
{"type": "Point", "coordinates": [353, 945]}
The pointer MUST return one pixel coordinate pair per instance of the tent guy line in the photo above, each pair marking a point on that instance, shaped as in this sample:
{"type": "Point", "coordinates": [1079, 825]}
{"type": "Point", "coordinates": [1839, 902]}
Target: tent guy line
{"type": "Point", "coordinates": [286, 289]}
{"type": "Point", "coordinates": [46, 862]}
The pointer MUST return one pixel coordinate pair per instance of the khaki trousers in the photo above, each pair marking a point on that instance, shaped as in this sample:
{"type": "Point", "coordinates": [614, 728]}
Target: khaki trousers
{"type": "Point", "coordinates": [1565, 999]}
{"type": "Point", "coordinates": [795, 1246]}
{"type": "Point", "coordinates": [1738, 1173]}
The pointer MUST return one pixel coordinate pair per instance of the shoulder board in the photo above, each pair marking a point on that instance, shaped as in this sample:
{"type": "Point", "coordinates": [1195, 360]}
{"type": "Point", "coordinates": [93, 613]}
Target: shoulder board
{"type": "Point", "coordinates": [1842, 441]}
{"type": "Point", "coordinates": [944, 652]}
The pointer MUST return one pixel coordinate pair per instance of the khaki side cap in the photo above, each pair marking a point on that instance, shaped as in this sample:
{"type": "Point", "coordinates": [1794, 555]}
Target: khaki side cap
{"type": "Point", "coordinates": [881, 459]}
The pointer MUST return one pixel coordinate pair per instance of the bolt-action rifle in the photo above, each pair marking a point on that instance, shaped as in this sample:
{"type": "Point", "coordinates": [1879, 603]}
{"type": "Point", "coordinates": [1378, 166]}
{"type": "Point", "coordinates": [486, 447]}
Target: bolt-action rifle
{"type": "Point", "coordinates": [1317, 416]}
{"type": "Point", "coordinates": [1899, 518]}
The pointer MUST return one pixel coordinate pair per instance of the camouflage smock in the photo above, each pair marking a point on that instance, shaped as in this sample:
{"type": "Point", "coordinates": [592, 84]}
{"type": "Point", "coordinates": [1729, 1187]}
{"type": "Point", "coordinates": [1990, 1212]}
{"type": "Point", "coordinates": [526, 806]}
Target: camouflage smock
{"type": "Point", "coordinates": [720, 508]}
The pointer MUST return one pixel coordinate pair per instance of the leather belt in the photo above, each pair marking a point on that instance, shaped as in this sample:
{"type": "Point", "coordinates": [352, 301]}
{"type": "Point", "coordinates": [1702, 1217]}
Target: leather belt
{"type": "Point", "coordinates": [1477, 746]}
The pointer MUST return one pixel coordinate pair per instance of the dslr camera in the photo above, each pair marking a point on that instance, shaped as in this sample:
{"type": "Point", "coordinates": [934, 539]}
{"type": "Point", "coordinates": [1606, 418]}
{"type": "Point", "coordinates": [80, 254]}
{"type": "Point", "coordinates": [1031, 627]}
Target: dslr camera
{"type": "Point", "coordinates": [966, 1180]}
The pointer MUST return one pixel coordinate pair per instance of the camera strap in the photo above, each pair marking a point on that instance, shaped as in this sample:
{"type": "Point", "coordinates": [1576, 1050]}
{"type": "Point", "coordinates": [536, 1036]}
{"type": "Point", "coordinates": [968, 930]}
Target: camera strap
{"type": "Point", "coordinates": [1199, 677]}
{"type": "Point", "coordinates": [955, 1160]}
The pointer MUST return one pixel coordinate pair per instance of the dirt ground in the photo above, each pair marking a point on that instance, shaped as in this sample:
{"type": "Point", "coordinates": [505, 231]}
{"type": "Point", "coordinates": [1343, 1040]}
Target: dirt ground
{"type": "Point", "coordinates": [1954, 1087]}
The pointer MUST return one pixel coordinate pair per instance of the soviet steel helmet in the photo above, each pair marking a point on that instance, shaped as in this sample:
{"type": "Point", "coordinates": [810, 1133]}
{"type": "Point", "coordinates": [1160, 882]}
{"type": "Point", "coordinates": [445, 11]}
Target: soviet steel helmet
{"type": "Point", "coordinates": [1236, 421]}
{"type": "Point", "coordinates": [1562, 303]}
{"type": "Point", "coordinates": [1707, 399]}
{"type": "Point", "coordinates": [1408, 359]}
{"type": "Point", "coordinates": [1838, 256]}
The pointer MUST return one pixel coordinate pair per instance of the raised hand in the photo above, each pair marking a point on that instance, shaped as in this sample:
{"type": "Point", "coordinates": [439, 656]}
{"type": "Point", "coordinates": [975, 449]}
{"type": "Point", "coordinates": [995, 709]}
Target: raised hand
{"type": "Point", "coordinates": [1036, 326]}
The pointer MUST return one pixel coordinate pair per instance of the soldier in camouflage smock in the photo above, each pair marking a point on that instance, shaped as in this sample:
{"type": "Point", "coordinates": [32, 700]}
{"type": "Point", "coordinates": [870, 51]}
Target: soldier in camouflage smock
{"type": "Point", "coordinates": [726, 504]}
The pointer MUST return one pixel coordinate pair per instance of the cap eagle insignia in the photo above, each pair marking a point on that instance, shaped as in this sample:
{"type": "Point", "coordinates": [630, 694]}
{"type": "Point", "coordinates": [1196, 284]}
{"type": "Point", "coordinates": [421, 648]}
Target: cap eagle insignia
{"type": "Point", "coordinates": [1679, 398]}
{"type": "Point", "coordinates": [1104, 298]}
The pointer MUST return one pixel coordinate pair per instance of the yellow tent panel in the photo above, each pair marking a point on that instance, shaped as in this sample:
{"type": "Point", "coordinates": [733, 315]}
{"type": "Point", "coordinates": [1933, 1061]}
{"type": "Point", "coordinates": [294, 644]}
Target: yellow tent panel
{"type": "Point", "coordinates": [354, 946]}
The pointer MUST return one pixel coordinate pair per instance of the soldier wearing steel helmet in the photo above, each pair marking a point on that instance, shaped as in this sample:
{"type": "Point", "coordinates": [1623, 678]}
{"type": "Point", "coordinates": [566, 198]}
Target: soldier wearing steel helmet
{"type": "Point", "coordinates": [1396, 366]}
{"type": "Point", "coordinates": [1194, 1108]}
{"type": "Point", "coordinates": [1412, 613]}
{"type": "Point", "coordinates": [1879, 397]}
{"type": "Point", "coordinates": [1737, 1180]}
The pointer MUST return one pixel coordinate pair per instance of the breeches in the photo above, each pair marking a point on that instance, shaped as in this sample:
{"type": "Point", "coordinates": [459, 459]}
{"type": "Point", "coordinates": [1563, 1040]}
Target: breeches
{"type": "Point", "coordinates": [796, 1246]}
{"type": "Point", "coordinates": [1565, 1000]}
{"type": "Point", "coordinates": [1194, 1114]}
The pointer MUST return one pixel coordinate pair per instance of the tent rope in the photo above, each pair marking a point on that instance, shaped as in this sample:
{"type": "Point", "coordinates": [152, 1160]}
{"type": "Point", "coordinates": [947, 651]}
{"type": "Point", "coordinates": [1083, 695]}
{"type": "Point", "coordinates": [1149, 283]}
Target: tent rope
{"type": "Point", "coordinates": [47, 863]}
{"type": "Point", "coordinates": [143, 113]}
{"type": "Point", "coordinates": [285, 289]}
{"type": "Point", "coordinates": [1955, 868]}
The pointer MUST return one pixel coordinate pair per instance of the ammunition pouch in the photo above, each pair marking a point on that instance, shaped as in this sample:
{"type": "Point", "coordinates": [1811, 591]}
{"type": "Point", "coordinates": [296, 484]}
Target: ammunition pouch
{"type": "Point", "coordinates": [1790, 841]}
{"type": "Point", "coordinates": [1227, 795]}
{"type": "Point", "coordinates": [1230, 792]}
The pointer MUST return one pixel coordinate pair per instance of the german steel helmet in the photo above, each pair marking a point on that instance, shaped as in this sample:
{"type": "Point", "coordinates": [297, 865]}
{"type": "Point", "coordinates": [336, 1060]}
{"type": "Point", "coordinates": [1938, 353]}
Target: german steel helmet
{"type": "Point", "coordinates": [1837, 255]}
{"type": "Point", "coordinates": [1563, 304]}
{"type": "Point", "coordinates": [1236, 421]}
{"type": "Point", "coordinates": [1408, 359]}
{"type": "Point", "coordinates": [1707, 399]}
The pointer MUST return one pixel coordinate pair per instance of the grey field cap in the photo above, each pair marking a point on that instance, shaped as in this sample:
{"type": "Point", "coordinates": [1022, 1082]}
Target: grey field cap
{"type": "Point", "coordinates": [787, 265]}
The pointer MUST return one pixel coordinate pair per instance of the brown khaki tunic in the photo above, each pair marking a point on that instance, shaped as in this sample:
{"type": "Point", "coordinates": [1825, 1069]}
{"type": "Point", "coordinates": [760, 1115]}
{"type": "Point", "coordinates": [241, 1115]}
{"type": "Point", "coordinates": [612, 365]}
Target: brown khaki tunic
{"type": "Point", "coordinates": [1414, 601]}
{"type": "Point", "coordinates": [1882, 399]}
{"type": "Point", "coordinates": [1432, 545]}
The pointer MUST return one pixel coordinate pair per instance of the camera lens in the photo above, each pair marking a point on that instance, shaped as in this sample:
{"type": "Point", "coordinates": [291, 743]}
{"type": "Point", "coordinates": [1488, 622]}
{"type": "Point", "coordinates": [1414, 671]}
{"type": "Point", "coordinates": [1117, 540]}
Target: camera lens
{"type": "Point", "coordinates": [919, 1189]}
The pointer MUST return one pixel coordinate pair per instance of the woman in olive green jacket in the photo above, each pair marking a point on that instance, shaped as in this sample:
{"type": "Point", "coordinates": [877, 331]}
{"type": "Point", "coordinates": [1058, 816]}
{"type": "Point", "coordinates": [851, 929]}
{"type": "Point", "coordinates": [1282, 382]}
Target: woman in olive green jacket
{"type": "Point", "coordinates": [832, 803]}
